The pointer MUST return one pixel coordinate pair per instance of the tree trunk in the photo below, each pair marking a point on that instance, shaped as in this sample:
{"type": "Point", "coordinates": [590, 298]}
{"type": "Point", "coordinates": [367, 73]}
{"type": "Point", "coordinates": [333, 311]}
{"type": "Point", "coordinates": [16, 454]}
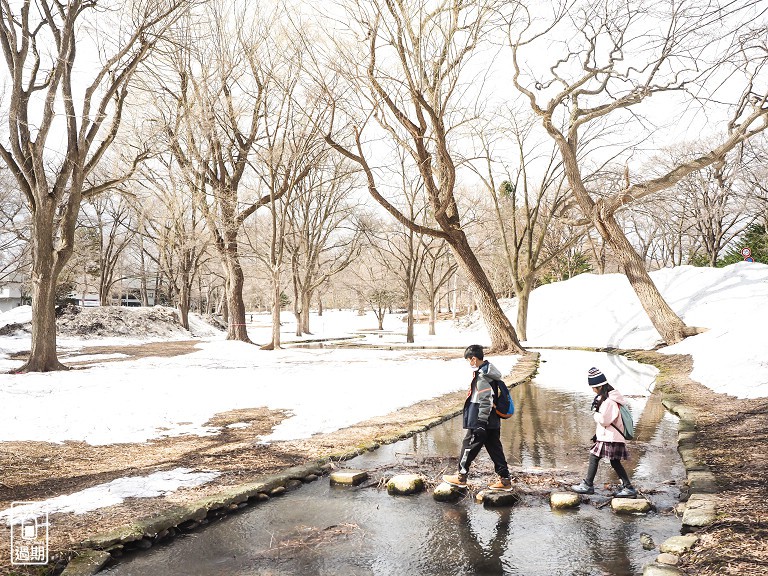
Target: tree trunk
{"type": "Point", "coordinates": [297, 312]}
{"type": "Point", "coordinates": [306, 299]}
{"type": "Point", "coordinates": [523, 298]}
{"type": "Point", "coordinates": [184, 302]}
{"type": "Point", "coordinates": [500, 330]}
{"type": "Point", "coordinates": [409, 318]}
{"type": "Point", "coordinates": [319, 306]}
{"type": "Point", "coordinates": [143, 280]}
{"type": "Point", "coordinates": [669, 325]}
{"type": "Point", "coordinates": [276, 306]}
{"type": "Point", "coordinates": [432, 312]}
{"type": "Point", "coordinates": [455, 297]}
{"type": "Point", "coordinates": [236, 329]}
{"type": "Point", "coordinates": [42, 355]}
{"type": "Point", "coordinates": [234, 312]}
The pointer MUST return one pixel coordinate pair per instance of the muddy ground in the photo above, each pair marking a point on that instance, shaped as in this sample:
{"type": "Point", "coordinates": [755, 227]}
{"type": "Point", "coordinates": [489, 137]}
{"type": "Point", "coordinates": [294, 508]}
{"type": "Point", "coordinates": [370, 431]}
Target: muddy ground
{"type": "Point", "coordinates": [732, 434]}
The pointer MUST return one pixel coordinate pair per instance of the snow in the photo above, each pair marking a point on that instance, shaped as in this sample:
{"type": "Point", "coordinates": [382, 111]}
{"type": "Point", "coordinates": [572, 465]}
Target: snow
{"type": "Point", "coordinates": [731, 303]}
{"type": "Point", "coordinates": [112, 493]}
{"type": "Point", "coordinates": [325, 389]}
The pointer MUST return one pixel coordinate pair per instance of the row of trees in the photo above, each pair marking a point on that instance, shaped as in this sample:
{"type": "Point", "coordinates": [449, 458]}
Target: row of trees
{"type": "Point", "coordinates": [214, 133]}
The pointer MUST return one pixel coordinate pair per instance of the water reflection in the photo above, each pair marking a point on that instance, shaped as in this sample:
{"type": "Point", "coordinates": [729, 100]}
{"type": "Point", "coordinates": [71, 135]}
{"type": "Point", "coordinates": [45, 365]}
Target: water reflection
{"type": "Point", "coordinates": [324, 530]}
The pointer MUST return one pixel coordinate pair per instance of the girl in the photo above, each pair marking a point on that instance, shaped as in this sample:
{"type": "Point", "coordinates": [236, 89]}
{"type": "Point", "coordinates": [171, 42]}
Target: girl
{"type": "Point", "coordinates": [608, 439]}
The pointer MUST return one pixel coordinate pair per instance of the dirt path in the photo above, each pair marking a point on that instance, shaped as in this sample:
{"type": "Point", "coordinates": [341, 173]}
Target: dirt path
{"type": "Point", "coordinates": [732, 438]}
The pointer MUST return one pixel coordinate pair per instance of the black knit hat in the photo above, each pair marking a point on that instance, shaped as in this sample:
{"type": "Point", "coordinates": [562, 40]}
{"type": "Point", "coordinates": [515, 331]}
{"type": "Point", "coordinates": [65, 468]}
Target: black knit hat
{"type": "Point", "coordinates": [595, 377]}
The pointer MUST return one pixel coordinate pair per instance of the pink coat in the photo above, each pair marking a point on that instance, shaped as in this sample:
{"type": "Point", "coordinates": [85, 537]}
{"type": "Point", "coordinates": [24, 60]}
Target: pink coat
{"type": "Point", "coordinates": [607, 415]}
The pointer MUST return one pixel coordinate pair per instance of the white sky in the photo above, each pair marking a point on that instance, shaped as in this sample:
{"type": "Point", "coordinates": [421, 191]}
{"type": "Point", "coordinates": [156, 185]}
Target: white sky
{"type": "Point", "coordinates": [327, 389]}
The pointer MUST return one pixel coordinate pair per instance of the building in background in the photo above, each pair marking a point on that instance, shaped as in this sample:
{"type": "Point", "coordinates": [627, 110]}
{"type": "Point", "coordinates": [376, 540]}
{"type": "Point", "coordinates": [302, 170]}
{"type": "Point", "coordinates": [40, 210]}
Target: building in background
{"type": "Point", "coordinates": [11, 295]}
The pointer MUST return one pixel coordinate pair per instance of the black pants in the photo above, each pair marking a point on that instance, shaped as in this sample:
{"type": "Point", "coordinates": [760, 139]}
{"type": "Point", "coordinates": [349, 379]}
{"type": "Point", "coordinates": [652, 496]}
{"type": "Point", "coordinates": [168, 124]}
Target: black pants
{"type": "Point", "coordinates": [615, 464]}
{"type": "Point", "coordinates": [470, 448]}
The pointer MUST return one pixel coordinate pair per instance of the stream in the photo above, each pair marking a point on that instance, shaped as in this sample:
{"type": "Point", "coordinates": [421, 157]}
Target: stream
{"type": "Point", "coordinates": [330, 530]}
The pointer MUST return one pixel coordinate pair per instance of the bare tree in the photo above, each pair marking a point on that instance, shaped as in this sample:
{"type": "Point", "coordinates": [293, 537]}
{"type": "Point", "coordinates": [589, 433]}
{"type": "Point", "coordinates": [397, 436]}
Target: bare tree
{"type": "Point", "coordinates": [438, 268]}
{"type": "Point", "coordinates": [526, 207]}
{"type": "Point", "coordinates": [111, 218]}
{"type": "Point", "coordinates": [606, 67]}
{"type": "Point", "coordinates": [414, 73]}
{"type": "Point", "coordinates": [54, 93]}
{"type": "Point", "coordinates": [177, 230]}
{"type": "Point", "coordinates": [324, 237]}
{"type": "Point", "coordinates": [213, 121]}
{"type": "Point", "coordinates": [291, 151]}
{"type": "Point", "coordinates": [720, 208]}
{"type": "Point", "coordinates": [373, 286]}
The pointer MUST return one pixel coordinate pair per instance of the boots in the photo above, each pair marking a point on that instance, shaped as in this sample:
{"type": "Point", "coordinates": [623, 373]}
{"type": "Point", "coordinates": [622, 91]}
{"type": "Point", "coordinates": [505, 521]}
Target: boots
{"type": "Point", "coordinates": [459, 480]}
{"type": "Point", "coordinates": [502, 484]}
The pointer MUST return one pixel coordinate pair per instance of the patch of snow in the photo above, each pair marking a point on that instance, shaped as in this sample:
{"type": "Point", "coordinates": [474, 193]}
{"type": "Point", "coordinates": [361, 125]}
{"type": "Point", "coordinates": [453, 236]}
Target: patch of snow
{"type": "Point", "coordinates": [115, 492]}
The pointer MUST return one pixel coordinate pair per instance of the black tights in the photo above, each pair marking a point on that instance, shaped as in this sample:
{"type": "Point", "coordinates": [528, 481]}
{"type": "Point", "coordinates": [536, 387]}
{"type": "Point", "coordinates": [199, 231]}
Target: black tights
{"type": "Point", "coordinates": [615, 464]}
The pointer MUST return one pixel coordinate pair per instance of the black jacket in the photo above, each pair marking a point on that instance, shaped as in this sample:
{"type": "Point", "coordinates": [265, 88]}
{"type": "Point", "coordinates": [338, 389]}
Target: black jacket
{"type": "Point", "coordinates": [478, 407]}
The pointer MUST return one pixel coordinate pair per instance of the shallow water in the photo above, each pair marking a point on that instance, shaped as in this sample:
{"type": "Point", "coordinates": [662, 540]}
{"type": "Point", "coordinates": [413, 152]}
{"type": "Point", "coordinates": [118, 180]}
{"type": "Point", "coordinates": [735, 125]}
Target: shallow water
{"type": "Point", "coordinates": [326, 530]}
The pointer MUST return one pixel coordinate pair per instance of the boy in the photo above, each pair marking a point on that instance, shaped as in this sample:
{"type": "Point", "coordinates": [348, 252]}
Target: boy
{"type": "Point", "coordinates": [482, 423]}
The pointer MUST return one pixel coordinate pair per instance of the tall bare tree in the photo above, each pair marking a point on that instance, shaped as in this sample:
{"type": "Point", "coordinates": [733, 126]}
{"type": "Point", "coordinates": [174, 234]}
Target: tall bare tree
{"type": "Point", "coordinates": [174, 225]}
{"type": "Point", "coordinates": [54, 94]}
{"type": "Point", "coordinates": [213, 121]}
{"type": "Point", "coordinates": [526, 206]}
{"type": "Point", "coordinates": [414, 73]}
{"type": "Point", "coordinates": [438, 269]}
{"type": "Point", "coordinates": [609, 65]}
{"type": "Point", "coordinates": [323, 236]}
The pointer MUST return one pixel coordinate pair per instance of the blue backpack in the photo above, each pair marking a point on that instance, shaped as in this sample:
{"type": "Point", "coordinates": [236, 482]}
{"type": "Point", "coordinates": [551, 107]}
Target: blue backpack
{"type": "Point", "coordinates": [502, 400]}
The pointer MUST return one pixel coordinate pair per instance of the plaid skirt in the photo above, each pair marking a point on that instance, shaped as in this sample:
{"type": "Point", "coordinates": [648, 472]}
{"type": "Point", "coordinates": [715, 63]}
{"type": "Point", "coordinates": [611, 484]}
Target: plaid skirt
{"type": "Point", "coordinates": [610, 450]}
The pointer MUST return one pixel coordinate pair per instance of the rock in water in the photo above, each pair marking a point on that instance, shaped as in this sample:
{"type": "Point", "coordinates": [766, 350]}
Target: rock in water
{"type": "Point", "coordinates": [445, 492]}
{"type": "Point", "coordinates": [559, 500]}
{"type": "Point", "coordinates": [348, 477]}
{"type": "Point", "coordinates": [647, 541]}
{"type": "Point", "coordinates": [678, 544]}
{"type": "Point", "coordinates": [498, 498]}
{"type": "Point", "coordinates": [405, 484]}
{"type": "Point", "coordinates": [630, 505]}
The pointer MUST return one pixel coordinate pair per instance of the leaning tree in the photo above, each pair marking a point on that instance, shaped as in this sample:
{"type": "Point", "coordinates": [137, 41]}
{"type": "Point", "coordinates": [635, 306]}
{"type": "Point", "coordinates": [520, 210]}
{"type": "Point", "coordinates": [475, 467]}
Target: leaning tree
{"type": "Point", "coordinates": [414, 76]}
{"type": "Point", "coordinates": [594, 65]}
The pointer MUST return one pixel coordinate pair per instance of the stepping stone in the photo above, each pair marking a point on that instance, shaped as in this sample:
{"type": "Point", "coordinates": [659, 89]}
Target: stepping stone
{"type": "Point", "coordinates": [349, 477]}
{"type": "Point", "coordinates": [678, 544]}
{"type": "Point", "coordinates": [405, 484]}
{"type": "Point", "coordinates": [702, 482]}
{"type": "Point", "coordinates": [497, 498]}
{"type": "Point", "coordinates": [668, 559]}
{"type": "Point", "coordinates": [445, 492]}
{"type": "Point", "coordinates": [560, 500]}
{"type": "Point", "coordinates": [630, 505]}
{"type": "Point", "coordinates": [87, 563]}
{"type": "Point", "coordinates": [657, 569]}
{"type": "Point", "coordinates": [699, 511]}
